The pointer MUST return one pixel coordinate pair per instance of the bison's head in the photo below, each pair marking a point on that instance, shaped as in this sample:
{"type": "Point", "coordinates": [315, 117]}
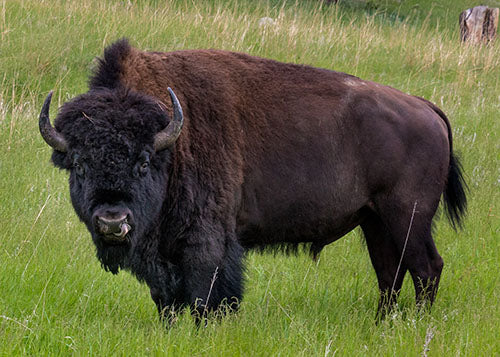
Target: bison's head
{"type": "Point", "coordinates": [116, 145]}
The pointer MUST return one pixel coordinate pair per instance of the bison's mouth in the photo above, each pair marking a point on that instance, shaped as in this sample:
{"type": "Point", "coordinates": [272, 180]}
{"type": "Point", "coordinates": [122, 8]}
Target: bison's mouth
{"type": "Point", "coordinates": [119, 236]}
{"type": "Point", "coordinates": [114, 242]}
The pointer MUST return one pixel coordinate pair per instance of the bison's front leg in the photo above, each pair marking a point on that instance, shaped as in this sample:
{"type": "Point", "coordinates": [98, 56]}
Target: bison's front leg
{"type": "Point", "coordinates": [168, 307]}
{"type": "Point", "coordinates": [212, 274]}
{"type": "Point", "coordinates": [164, 281]}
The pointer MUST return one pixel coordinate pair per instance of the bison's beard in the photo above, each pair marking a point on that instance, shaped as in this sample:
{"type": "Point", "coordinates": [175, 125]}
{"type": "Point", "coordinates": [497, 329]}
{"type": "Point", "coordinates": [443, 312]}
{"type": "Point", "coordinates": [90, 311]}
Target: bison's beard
{"type": "Point", "coordinates": [112, 257]}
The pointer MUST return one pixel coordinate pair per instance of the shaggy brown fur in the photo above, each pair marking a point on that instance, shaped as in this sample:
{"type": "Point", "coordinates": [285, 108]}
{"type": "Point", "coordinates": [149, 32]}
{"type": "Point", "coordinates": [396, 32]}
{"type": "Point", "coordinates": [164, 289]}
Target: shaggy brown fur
{"type": "Point", "coordinates": [270, 155]}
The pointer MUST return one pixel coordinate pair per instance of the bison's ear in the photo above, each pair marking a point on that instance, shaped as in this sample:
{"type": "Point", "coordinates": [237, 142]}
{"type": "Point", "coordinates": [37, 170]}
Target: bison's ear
{"type": "Point", "coordinates": [61, 160]}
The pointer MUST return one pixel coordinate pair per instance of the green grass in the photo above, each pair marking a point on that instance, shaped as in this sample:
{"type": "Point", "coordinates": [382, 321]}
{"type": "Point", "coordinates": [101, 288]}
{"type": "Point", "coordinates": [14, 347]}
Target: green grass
{"type": "Point", "coordinates": [55, 298]}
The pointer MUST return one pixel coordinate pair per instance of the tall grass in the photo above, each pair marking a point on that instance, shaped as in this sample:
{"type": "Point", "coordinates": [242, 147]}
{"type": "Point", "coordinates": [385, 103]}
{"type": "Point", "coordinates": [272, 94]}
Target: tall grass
{"type": "Point", "coordinates": [54, 297]}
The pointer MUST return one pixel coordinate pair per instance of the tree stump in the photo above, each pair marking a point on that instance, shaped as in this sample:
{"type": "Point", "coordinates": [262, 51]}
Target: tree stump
{"type": "Point", "coordinates": [479, 24]}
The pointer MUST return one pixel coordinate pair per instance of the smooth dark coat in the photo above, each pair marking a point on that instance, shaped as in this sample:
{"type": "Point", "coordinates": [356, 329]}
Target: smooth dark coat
{"type": "Point", "coordinates": [270, 155]}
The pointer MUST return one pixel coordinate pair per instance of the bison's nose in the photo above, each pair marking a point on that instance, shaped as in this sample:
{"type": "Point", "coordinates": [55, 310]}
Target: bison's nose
{"type": "Point", "coordinates": [113, 224]}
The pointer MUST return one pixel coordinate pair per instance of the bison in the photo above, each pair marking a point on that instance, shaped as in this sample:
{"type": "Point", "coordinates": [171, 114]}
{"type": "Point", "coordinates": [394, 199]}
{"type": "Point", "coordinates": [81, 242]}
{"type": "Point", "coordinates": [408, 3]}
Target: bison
{"type": "Point", "coordinates": [250, 153]}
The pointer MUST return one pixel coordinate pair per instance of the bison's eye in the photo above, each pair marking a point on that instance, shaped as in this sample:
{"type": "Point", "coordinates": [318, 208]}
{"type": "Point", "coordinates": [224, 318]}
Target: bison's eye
{"type": "Point", "coordinates": [144, 167]}
{"type": "Point", "coordinates": [78, 169]}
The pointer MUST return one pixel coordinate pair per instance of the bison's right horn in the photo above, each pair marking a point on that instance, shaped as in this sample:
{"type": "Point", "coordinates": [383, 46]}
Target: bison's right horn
{"type": "Point", "coordinates": [49, 134]}
{"type": "Point", "coordinates": [169, 135]}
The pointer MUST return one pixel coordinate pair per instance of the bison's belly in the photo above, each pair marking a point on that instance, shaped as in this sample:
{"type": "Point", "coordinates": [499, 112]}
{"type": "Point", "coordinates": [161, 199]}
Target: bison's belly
{"type": "Point", "coordinates": [300, 222]}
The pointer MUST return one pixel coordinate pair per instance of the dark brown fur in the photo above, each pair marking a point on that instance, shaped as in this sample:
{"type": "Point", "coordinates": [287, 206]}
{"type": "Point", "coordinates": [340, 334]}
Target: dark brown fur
{"type": "Point", "coordinates": [274, 154]}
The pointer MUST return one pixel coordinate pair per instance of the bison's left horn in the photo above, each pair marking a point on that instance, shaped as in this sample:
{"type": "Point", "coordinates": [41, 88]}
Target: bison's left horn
{"type": "Point", "coordinates": [49, 134]}
{"type": "Point", "coordinates": [169, 135]}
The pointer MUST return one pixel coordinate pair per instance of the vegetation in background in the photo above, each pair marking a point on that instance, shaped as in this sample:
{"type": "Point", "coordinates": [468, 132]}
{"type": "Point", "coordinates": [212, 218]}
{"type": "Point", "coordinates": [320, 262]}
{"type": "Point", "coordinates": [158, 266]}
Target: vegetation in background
{"type": "Point", "coordinates": [440, 14]}
{"type": "Point", "coordinates": [55, 298]}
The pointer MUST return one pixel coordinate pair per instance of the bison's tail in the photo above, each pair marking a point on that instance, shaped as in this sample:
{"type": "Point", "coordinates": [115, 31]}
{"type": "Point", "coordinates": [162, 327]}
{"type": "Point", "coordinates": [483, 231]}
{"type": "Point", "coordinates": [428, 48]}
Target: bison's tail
{"type": "Point", "coordinates": [455, 199]}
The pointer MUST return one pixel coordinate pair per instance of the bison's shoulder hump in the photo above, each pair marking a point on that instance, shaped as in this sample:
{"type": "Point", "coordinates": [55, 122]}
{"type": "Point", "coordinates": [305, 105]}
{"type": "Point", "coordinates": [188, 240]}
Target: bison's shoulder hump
{"type": "Point", "coordinates": [107, 72]}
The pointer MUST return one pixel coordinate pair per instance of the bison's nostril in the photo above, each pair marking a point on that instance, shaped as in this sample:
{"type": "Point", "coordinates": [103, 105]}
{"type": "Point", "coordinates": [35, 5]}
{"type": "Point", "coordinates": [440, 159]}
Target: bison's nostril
{"type": "Point", "coordinates": [124, 229]}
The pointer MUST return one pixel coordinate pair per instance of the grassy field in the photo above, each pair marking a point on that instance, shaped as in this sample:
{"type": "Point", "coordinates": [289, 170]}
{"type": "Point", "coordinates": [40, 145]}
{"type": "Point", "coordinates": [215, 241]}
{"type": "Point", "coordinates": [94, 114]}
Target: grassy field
{"type": "Point", "coordinates": [54, 297]}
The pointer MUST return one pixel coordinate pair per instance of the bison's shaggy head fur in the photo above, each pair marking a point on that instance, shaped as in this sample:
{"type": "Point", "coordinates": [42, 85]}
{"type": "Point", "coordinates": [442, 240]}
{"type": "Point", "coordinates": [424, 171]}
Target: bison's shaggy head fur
{"type": "Point", "coordinates": [112, 162]}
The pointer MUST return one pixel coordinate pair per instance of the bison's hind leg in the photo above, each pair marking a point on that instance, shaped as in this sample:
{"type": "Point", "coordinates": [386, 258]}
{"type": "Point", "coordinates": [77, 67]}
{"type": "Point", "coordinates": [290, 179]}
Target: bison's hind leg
{"type": "Point", "coordinates": [385, 258]}
{"type": "Point", "coordinates": [410, 226]}
{"type": "Point", "coordinates": [428, 273]}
